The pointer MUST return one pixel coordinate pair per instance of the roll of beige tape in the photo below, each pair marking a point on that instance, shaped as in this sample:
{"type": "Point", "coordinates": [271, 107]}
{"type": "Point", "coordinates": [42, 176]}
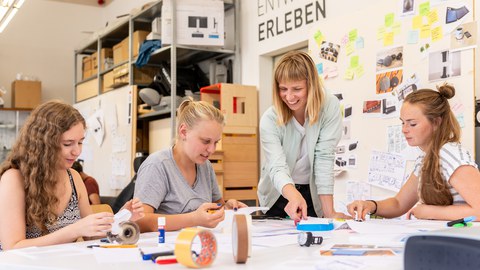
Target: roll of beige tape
{"type": "Point", "coordinates": [240, 238]}
{"type": "Point", "coordinates": [189, 258]}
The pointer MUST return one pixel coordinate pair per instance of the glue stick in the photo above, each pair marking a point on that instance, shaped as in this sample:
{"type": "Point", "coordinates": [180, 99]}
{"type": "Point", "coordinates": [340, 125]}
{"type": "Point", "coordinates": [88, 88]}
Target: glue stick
{"type": "Point", "coordinates": [161, 230]}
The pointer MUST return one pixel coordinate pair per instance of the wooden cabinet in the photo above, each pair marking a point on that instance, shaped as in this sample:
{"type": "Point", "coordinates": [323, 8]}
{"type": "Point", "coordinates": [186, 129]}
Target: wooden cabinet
{"type": "Point", "coordinates": [238, 151]}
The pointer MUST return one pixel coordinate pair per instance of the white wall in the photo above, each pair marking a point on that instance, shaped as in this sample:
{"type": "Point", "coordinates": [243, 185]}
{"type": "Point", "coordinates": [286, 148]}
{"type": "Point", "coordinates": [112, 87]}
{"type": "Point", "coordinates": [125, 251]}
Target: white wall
{"type": "Point", "coordinates": [257, 63]}
{"type": "Point", "coordinates": [41, 39]}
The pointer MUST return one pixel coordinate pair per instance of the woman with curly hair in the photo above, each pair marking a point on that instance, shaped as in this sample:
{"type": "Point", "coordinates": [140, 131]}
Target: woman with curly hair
{"type": "Point", "coordinates": [42, 201]}
{"type": "Point", "coordinates": [445, 181]}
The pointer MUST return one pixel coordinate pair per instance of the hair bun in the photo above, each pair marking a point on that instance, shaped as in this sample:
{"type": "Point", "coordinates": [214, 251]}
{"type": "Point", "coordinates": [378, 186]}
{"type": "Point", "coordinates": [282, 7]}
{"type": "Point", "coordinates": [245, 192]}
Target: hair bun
{"type": "Point", "coordinates": [447, 91]}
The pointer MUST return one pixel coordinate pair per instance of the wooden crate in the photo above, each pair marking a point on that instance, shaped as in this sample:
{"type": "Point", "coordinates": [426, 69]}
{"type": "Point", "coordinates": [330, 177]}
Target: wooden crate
{"type": "Point", "coordinates": [240, 174]}
{"type": "Point", "coordinates": [241, 194]}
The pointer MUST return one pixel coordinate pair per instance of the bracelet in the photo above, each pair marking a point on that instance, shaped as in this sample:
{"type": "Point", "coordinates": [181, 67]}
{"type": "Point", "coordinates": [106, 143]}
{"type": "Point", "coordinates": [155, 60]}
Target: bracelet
{"type": "Point", "coordinates": [376, 207]}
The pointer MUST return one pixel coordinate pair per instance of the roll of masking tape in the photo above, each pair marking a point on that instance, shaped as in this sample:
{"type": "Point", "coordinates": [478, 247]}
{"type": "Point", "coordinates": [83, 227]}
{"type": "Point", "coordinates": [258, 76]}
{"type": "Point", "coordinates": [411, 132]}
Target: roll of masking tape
{"type": "Point", "coordinates": [183, 248]}
{"type": "Point", "coordinates": [241, 238]}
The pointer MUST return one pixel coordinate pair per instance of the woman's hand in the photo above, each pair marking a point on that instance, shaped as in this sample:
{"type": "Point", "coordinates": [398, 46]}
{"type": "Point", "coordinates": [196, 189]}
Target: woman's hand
{"type": "Point", "coordinates": [209, 215]}
{"type": "Point", "coordinates": [136, 207]}
{"type": "Point", "coordinates": [234, 204]}
{"type": "Point", "coordinates": [359, 209]}
{"type": "Point", "coordinates": [296, 208]}
{"type": "Point", "coordinates": [94, 225]}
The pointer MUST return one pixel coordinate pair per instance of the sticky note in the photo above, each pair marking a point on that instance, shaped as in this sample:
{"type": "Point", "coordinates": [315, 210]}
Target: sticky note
{"type": "Point", "coordinates": [349, 48]}
{"type": "Point", "coordinates": [412, 37]}
{"type": "Point", "coordinates": [348, 74]}
{"type": "Point", "coordinates": [425, 8]}
{"type": "Point", "coordinates": [433, 16]}
{"type": "Point", "coordinates": [388, 39]}
{"type": "Point", "coordinates": [359, 43]}
{"type": "Point", "coordinates": [319, 68]}
{"type": "Point", "coordinates": [354, 61]}
{"type": "Point", "coordinates": [359, 71]}
{"type": "Point", "coordinates": [425, 31]}
{"type": "Point", "coordinates": [389, 19]}
{"type": "Point", "coordinates": [352, 35]}
{"type": "Point", "coordinates": [417, 22]}
{"type": "Point", "coordinates": [437, 33]}
{"type": "Point", "coordinates": [380, 33]}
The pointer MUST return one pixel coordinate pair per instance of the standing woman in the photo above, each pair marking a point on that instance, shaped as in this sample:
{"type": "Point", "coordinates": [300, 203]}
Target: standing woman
{"type": "Point", "coordinates": [445, 182]}
{"type": "Point", "coordinates": [179, 182]}
{"type": "Point", "coordinates": [299, 134]}
{"type": "Point", "coordinates": [42, 201]}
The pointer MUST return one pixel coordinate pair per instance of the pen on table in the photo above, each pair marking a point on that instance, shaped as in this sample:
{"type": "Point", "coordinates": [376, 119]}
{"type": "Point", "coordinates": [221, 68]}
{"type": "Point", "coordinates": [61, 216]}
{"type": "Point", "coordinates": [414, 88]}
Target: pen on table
{"type": "Point", "coordinates": [461, 220]}
{"type": "Point", "coordinates": [166, 261]}
{"type": "Point", "coordinates": [153, 256]}
{"type": "Point", "coordinates": [112, 246]}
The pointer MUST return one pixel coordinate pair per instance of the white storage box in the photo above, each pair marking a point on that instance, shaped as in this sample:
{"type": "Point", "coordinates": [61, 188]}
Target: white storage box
{"type": "Point", "coordinates": [199, 22]}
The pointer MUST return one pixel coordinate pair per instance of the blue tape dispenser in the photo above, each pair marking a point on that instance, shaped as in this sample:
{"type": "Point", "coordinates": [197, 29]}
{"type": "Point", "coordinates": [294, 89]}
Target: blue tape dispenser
{"type": "Point", "coordinates": [315, 224]}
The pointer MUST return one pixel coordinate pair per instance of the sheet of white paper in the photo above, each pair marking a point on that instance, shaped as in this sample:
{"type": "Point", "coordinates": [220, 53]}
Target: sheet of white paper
{"type": "Point", "coordinates": [96, 126]}
{"type": "Point", "coordinates": [226, 224]}
{"type": "Point", "coordinates": [117, 255]}
{"type": "Point", "coordinates": [379, 228]}
{"type": "Point", "coordinates": [53, 252]}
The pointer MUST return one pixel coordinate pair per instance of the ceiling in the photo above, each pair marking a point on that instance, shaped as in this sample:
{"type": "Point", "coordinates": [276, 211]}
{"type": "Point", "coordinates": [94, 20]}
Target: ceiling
{"type": "Point", "coordinates": [85, 2]}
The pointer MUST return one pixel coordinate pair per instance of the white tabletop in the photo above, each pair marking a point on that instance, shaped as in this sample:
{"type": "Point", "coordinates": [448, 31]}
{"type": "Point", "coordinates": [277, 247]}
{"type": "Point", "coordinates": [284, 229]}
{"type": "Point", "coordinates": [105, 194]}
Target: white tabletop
{"type": "Point", "coordinates": [283, 253]}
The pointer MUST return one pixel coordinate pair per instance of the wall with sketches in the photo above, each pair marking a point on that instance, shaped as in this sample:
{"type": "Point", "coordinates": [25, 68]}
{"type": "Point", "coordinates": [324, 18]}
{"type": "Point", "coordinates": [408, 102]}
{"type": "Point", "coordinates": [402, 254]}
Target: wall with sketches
{"type": "Point", "coordinates": [107, 151]}
{"type": "Point", "coordinates": [371, 59]}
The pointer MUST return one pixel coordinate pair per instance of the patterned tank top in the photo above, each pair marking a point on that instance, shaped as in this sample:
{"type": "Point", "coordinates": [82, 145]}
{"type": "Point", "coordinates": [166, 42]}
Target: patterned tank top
{"type": "Point", "coordinates": [70, 215]}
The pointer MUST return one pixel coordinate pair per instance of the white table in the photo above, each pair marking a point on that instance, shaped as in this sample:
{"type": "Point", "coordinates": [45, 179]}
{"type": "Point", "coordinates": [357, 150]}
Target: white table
{"type": "Point", "coordinates": [288, 256]}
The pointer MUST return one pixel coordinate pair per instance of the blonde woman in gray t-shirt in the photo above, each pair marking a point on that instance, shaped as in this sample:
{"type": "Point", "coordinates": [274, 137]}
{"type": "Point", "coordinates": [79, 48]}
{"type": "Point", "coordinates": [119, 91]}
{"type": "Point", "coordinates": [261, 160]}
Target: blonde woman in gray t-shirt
{"type": "Point", "coordinates": [179, 182]}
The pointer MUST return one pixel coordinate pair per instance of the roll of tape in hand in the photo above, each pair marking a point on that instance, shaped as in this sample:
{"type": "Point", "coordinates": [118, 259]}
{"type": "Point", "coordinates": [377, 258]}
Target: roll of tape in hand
{"type": "Point", "coordinates": [183, 248]}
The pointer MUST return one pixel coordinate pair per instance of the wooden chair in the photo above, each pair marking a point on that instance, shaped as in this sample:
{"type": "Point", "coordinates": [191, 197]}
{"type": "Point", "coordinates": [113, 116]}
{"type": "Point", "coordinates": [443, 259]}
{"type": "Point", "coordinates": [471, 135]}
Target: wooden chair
{"type": "Point", "coordinates": [98, 208]}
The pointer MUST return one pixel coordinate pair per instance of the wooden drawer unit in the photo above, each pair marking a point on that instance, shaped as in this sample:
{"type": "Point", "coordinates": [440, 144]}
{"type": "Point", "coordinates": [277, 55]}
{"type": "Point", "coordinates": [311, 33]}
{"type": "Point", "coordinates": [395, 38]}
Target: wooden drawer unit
{"type": "Point", "coordinates": [241, 194]}
{"type": "Point", "coordinates": [240, 174]}
{"type": "Point", "coordinates": [240, 147]}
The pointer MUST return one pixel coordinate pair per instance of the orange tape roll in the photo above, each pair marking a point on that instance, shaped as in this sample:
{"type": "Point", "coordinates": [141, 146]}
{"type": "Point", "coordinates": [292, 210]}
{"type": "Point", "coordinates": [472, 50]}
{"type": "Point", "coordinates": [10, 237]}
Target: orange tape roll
{"type": "Point", "coordinates": [189, 258]}
{"type": "Point", "coordinates": [240, 238]}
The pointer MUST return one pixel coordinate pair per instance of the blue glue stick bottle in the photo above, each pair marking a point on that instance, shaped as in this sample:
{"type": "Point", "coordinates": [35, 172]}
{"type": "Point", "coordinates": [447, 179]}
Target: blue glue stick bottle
{"type": "Point", "coordinates": [161, 230]}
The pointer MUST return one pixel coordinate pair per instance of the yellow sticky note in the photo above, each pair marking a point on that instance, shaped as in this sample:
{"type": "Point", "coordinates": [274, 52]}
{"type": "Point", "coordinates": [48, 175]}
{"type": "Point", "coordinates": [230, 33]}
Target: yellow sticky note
{"type": "Point", "coordinates": [352, 35]}
{"type": "Point", "coordinates": [389, 19]}
{"type": "Point", "coordinates": [437, 33]}
{"type": "Point", "coordinates": [349, 48]}
{"type": "Point", "coordinates": [396, 27]}
{"type": "Point", "coordinates": [388, 39]}
{"type": "Point", "coordinates": [417, 22]}
{"type": "Point", "coordinates": [318, 36]}
{"type": "Point", "coordinates": [380, 32]}
{"type": "Point", "coordinates": [354, 61]}
{"type": "Point", "coordinates": [359, 71]}
{"type": "Point", "coordinates": [433, 16]}
{"type": "Point", "coordinates": [425, 8]}
{"type": "Point", "coordinates": [348, 74]}
{"type": "Point", "coordinates": [425, 31]}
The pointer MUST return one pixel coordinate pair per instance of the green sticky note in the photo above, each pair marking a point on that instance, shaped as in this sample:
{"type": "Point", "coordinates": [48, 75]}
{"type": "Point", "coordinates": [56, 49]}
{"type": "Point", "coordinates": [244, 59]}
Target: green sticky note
{"type": "Point", "coordinates": [352, 35]}
{"type": "Point", "coordinates": [425, 8]}
{"type": "Point", "coordinates": [389, 19]}
{"type": "Point", "coordinates": [354, 61]}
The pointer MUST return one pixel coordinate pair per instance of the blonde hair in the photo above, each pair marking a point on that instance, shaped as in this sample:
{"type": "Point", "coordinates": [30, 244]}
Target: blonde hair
{"type": "Point", "coordinates": [191, 112]}
{"type": "Point", "coordinates": [434, 189]}
{"type": "Point", "coordinates": [298, 66]}
{"type": "Point", "coordinates": [36, 154]}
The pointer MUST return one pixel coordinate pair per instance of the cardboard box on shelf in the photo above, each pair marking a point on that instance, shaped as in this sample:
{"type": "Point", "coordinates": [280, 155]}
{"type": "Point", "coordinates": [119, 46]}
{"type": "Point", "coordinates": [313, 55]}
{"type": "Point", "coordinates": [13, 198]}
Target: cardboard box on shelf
{"type": "Point", "coordinates": [94, 61]}
{"type": "Point", "coordinates": [199, 22]}
{"type": "Point", "coordinates": [120, 52]}
{"type": "Point", "coordinates": [138, 38]}
{"type": "Point", "coordinates": [106, 58]}
{"type": "Point", "coordinates": [26, 94]}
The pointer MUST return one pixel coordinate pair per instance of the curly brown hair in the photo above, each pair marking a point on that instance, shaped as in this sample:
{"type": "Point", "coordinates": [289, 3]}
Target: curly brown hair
{"type": "Point", "coordinates": [36, 154]}
{"type": "Point", "coordinates": [434, 189]}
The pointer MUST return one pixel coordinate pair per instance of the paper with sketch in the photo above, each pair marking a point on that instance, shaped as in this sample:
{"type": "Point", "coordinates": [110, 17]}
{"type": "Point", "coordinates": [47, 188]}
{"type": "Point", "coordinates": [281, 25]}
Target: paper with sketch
{"type": "Point", "coordinates": [96, 126]}
{"type": "Point", "coordinates": [386, 170]}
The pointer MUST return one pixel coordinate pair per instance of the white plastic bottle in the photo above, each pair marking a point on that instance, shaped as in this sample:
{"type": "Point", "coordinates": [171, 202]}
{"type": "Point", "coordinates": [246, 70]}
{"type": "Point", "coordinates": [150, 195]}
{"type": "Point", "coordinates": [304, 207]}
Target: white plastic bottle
{"type": "Point", "coordinates": [161, 230]}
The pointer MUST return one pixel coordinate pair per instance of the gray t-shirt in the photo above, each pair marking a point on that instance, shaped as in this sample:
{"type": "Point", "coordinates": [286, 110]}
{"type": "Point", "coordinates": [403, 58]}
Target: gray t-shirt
{"type": "Point", "coordinates": [161, 185]}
